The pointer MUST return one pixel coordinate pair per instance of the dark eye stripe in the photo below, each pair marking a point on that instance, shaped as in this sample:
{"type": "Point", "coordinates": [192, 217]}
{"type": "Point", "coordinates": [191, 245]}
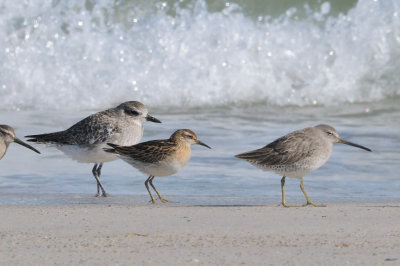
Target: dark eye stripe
{"type": "Point", "coordinates": [132, 112]}
{"type": "Point", "coordinates": [5, 132]}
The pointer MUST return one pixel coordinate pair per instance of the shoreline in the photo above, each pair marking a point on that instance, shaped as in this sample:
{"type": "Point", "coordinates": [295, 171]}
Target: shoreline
{"type": "Point", "coordinates": [142, 200]}
{"type": "Point", "coordinates": [355, 233]}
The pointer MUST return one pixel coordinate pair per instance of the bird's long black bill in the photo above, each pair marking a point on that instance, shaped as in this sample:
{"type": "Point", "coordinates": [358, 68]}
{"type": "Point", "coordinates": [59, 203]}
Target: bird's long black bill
{"type": "Point", "coordinates": [203, 144]}
{"type": "Point", "coordinates": [20, 142]}
{"type": "Point", "coordinates": [152, 119]}
{"type": "Point", "coordinates": [353, 144]}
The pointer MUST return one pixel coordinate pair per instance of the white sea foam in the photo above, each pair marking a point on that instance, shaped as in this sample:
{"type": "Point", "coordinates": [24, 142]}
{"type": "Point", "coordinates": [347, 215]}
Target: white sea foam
{"type": "Point", "coordinates": [73, 54]}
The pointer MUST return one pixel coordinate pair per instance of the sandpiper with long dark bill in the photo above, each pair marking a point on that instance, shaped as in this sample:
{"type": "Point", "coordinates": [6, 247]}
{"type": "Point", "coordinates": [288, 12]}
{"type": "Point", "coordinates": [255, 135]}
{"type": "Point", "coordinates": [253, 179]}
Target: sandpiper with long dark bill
{"type": "Point", "coordinates": [84, 141]}
{"type": "Point", "coordinates": [297, 154]}
{"type": "Point", "coordinates": [7, 136]}
{"type": "Point", "coordinates": [159, 157]}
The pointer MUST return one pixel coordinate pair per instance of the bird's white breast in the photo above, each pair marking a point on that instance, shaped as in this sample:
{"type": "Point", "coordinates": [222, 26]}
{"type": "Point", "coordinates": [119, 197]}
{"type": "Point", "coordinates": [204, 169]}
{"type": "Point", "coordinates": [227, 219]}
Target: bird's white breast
{"type": "Point", "coordinates": [160, 169]}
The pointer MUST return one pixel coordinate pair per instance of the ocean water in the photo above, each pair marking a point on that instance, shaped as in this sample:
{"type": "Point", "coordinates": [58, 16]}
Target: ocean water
{"type": "Point", "coordinates": [238, 73]}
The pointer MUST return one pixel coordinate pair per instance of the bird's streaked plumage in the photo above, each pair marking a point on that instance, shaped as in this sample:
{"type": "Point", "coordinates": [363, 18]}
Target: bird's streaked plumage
{"type": "Point", "coordinates": [159, 157]}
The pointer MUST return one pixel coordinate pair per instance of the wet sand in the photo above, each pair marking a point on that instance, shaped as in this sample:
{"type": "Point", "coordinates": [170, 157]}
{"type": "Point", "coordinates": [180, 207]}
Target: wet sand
{"type": "Point", "coordinates": [353, 234]}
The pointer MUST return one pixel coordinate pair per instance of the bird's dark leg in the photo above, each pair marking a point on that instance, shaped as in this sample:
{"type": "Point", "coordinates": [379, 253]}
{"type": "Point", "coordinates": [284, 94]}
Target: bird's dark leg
{"type": "Point", "coordinates": [94, 172]}
{"type": "Point", "coordinates": [146, 183]}
{"type": "Point", "coordinates": [96, 175]}
{"type": "Point", "coordinates": [103, 192]}
{"type": "Point", "coordinates": [309, 202]}
{"type": "Point", "coordinates": [283, 194]}
{"type": "Point", "coordinates": [158, 194]}
{"type": "Point", "coordinates": [283, 191]}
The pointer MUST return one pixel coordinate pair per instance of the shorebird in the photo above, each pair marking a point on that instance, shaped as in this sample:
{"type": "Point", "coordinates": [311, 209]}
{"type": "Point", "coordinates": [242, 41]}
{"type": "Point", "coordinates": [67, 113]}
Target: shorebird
{"type": "Point", "coordinates": [159, 157]}
{"type": "Point", "coordinates": [84, 141]}
{"type": "Point", "coordinates": [297, 154]}
{"type": "Point", "coordinates": [7, 135]}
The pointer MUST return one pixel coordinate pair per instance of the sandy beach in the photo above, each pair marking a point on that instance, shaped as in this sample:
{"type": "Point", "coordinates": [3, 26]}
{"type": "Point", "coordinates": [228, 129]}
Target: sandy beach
{"type": "Point", "coordinates": [355, 234]}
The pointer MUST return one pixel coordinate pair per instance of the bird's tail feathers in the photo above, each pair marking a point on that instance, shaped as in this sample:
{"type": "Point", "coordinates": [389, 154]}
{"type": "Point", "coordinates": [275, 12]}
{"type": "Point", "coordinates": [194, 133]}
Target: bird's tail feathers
{"type": "Point", "coordinates": [45, 138]}
{"type": "Point", "coordinates": [111, 150]}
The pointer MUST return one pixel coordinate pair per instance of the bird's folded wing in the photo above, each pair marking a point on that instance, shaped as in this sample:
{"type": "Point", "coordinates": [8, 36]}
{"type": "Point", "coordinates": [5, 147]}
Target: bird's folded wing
{"type": "Point", "coordinates": [147, 152]}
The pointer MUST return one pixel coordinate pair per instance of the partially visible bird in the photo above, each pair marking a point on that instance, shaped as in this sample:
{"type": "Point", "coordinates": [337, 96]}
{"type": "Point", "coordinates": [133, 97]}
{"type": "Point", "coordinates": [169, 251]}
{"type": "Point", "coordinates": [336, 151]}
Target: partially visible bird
{"type": "Point", "coordinates": [84, 141]}
{"type": "Point", "coordinates": [297, 154]}
{"type": "Point", "coordinates": [7, 135]}
{"type": "Point", "coordinates": [159, 157]}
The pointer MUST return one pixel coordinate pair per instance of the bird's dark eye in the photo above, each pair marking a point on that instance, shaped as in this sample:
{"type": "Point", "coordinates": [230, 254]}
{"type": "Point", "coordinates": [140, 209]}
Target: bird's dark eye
{"type": "Point", "coordinates": [329, 133]}
{"type": "Point", "coordinates": [132, 112]}
{"type": "Point", "coordinates": [189, 136]}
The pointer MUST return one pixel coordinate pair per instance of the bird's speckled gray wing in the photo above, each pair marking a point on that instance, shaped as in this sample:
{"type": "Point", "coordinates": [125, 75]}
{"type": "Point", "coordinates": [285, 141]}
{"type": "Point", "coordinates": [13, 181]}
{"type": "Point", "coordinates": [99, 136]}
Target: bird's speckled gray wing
{"type": "Point", "coordinates": [93, 129]}
{"type": "Point", "coordinates": [286, 150]}
{"type": "Point", "coordinates": [145, 152]}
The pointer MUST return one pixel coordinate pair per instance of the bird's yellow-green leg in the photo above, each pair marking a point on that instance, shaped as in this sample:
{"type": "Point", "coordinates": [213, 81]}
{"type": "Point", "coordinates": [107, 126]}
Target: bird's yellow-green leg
{"type": "Point", "coordinates": [283, 195]}
{"type": "Point", "coordinates": [309, 202]}
{"type": "Point", "coordinates": [158, 194]}
{"type": "Point", "coordinates": [147, 186]}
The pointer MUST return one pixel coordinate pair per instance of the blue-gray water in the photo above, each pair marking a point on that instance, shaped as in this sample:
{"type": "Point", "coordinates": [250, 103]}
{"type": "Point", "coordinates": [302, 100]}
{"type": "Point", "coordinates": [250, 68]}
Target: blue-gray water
{"type": "Point", "coordinates": [239, 73]}
{"type": "Point", "coordinates": [215, 176]}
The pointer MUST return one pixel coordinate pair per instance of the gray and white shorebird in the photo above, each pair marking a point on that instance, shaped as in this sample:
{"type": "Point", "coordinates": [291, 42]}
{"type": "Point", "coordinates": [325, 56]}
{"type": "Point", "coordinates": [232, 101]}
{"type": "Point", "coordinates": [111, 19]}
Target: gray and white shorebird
{"type": "Point", "coordinates": [84, 141]}
{"type": "Point", "coordinates": [297, 154]}
{"type": "Point", "coordinates": [7, 136]}
{"type": "Point", "coordinates": [159, 157]}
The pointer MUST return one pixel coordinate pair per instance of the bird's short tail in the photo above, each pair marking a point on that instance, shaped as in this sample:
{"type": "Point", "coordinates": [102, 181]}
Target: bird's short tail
{"type": "Point", "coordinates": [242, 156]}
{"type": "Point", "coordinates": [55, 137]}
{"type": "Point", "coordinates": [33, 138]}
{"type": "Point", "coordinates": [111, 150]}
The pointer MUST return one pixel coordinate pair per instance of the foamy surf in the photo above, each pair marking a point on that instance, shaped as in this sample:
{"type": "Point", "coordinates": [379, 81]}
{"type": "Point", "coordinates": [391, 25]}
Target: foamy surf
{"type": "Point", "coordinates": [79, 55]}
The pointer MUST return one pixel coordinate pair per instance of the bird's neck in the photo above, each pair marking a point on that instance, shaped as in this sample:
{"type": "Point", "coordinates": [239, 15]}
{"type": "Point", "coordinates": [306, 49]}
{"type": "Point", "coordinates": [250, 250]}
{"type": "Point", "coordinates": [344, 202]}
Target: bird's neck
{"type": "Point", "coordinates": [183, 152]}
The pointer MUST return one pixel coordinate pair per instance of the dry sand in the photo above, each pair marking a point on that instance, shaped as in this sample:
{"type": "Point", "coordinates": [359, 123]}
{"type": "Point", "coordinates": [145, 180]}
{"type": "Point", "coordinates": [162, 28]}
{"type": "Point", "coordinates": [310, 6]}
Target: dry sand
{"type": "Point", "coordinates": [364, 234]}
